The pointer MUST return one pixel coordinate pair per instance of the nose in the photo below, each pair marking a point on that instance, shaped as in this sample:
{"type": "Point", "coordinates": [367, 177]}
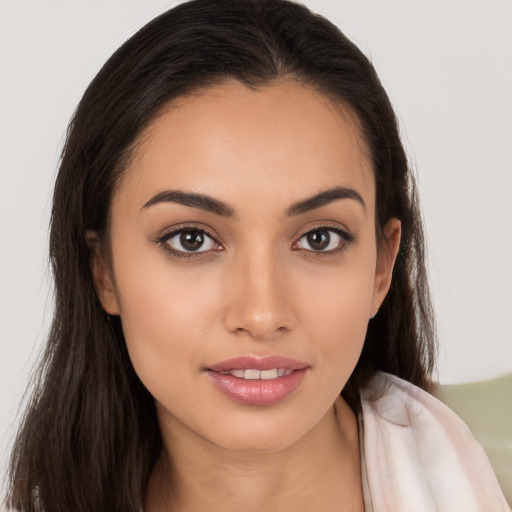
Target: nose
{"type": "Point", "coordinates": [258, 298]}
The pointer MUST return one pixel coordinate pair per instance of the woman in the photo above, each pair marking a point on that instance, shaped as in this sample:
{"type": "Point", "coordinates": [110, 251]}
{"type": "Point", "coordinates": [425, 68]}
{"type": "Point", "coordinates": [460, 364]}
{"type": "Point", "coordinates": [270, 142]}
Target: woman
{"type": "Point", "coordinates": [235, 240]}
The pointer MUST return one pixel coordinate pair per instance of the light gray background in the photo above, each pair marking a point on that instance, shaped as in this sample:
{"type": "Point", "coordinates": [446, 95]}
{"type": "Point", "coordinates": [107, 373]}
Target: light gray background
{"type": "Point", "coordinates": [447, 66]}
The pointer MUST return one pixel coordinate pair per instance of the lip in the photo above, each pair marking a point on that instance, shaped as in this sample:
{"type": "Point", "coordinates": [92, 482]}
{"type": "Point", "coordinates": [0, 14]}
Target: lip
{"type": "Point", "coordinates": [257, 392]}
{"type": "Point", "coordinates": [258, 363]}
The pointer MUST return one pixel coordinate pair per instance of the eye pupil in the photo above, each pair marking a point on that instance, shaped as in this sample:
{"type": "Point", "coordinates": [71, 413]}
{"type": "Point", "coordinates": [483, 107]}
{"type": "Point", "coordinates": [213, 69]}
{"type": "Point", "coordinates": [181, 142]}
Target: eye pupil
{"type": "Point", "coordinates": [319, 240]}
{"type": "Point", "coordinates": [192, 240]}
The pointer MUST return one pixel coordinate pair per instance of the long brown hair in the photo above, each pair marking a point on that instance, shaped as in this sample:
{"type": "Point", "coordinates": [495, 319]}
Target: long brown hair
{"type": "Point", "coordinates": [90, 436]}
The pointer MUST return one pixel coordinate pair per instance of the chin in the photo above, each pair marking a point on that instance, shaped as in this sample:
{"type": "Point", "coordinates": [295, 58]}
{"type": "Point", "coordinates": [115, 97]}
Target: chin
{"type": "Point", "coordinates": [254, 443]}
{"type": "Point", "coordinates": [261, 431]}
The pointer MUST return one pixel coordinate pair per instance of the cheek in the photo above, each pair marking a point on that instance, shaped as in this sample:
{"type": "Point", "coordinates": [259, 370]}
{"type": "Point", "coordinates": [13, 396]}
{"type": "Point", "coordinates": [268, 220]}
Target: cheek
{"type": "Point", "coordinates": [165, 314]}
{"type": "Point", "coordinates": [337, 319]}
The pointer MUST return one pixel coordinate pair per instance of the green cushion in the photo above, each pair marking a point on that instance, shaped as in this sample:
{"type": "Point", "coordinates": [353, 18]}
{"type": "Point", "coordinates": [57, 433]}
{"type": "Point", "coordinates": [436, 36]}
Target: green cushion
{"type": "Point", "coordinates": [486, 407]}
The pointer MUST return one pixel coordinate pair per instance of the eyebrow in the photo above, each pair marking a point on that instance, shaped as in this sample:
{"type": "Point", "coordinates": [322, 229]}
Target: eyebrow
{"type": "Point", "coordinates": [200, 201]}
{"type": "Point", "coordinates": [212, 205]}
{"type": "Point", "coordinates": [324, 198]}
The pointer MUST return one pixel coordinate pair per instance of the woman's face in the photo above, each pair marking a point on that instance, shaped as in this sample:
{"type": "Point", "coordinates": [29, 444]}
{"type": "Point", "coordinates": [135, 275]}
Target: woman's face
{"type": "Point", "coordinates": [243, 247]}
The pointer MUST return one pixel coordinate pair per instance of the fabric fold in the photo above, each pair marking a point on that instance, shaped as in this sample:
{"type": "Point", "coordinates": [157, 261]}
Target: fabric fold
{"type": "Point", "coordinates": [416, 452]}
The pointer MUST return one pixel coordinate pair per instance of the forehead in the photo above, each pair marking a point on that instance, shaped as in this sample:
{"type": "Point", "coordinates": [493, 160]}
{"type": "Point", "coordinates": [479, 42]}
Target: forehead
{"type": "Point", "coordinates": [281, 141]}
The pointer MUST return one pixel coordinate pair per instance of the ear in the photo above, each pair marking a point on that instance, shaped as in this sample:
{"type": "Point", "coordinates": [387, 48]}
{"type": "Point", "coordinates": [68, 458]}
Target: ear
{"type": "Point", "coordinates": [385, 262]}
{"type": "Point", "coordinates": [103, 282]}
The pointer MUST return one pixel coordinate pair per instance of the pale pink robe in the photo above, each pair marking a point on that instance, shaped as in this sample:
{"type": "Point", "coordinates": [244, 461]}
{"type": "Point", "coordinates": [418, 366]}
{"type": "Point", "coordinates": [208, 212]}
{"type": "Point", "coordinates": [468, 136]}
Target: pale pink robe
{"type": "Point", "coordinates": [417, 455]}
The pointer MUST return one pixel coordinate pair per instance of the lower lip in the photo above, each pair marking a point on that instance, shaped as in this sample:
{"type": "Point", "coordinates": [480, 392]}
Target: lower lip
{"type": "Point", "coordinates": [260, 391]}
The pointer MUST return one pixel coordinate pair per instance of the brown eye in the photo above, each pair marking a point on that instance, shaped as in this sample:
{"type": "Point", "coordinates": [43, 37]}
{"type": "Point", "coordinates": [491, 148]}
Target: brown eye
{"type": "Point", "coordinates": [323, 240]}
{"type": "Point", "coordinates": [191, 240]}
{"type": "Point", "coordinates": [318, 240]}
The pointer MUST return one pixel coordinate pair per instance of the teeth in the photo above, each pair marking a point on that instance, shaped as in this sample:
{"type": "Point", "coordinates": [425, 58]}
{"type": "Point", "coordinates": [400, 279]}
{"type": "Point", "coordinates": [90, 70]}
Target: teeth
{"type": "Point", "coordinates": [269, 374]}
{"type": "Point", "coordinates": [250, 374]}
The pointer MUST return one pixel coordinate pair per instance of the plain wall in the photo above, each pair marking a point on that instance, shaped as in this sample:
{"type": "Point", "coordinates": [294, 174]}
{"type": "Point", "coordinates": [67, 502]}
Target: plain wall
{"type": "Point", "coordinates": [447, 66]}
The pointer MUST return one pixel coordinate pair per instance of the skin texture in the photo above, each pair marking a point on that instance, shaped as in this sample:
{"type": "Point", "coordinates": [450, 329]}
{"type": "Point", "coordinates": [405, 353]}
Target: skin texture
{"type": "Point", "coordinates": [259, 290]}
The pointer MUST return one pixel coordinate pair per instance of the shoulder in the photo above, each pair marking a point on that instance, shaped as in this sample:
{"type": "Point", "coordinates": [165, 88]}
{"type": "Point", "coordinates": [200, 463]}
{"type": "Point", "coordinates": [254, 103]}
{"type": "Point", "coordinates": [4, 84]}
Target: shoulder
{"type": "Point", "coordinates": [414, 449]}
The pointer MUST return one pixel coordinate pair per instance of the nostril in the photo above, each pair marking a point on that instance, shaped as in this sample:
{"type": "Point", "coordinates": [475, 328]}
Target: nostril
{"type": "Point", "coordinates": [260, 331]}
{"type": "Point", "coordinates": [257, 314]}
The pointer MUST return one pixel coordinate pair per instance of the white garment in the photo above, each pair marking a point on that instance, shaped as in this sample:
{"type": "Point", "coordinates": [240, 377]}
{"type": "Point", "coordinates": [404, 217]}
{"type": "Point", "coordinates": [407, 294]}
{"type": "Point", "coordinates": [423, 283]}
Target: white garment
{"type": "Point", "coordinates": [417, 455]}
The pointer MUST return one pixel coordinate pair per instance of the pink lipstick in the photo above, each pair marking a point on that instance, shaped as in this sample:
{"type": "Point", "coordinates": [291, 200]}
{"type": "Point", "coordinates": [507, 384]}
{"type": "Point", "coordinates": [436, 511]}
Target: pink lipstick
{"type": "Point", "coordinates": [254, 380]}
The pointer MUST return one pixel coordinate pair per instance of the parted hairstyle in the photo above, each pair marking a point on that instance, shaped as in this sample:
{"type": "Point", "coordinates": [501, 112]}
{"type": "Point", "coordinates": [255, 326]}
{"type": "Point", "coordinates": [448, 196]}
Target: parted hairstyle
{"type": "Point", "coordinates": [90, 437]}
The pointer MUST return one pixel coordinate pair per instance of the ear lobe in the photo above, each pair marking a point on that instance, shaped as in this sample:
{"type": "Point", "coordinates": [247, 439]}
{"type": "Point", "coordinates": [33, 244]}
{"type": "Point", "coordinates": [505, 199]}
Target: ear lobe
{"type": "Point", "coordinates": [101, 274]}
{"type": "Point", "coordinates": [385, 262]}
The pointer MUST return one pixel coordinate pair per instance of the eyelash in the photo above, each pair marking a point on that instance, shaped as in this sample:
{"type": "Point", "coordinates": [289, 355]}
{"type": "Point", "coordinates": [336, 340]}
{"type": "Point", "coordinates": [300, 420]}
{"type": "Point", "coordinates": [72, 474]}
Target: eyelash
{"type": "Point", "coordinates": [346, 237]}
{"type": "Point", "coordinates": [163, 239]}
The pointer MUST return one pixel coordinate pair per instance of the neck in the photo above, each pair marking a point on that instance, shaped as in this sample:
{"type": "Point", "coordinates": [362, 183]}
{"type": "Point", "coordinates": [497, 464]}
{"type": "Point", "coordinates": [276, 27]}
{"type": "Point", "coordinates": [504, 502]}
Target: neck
{"type": "Point", "coordinates": [319, 472]}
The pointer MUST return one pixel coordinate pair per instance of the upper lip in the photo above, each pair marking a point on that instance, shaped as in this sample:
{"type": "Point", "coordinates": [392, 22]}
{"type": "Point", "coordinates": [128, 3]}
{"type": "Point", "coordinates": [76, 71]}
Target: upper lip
{"type": "Point", "coordinates": [249, 362]}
